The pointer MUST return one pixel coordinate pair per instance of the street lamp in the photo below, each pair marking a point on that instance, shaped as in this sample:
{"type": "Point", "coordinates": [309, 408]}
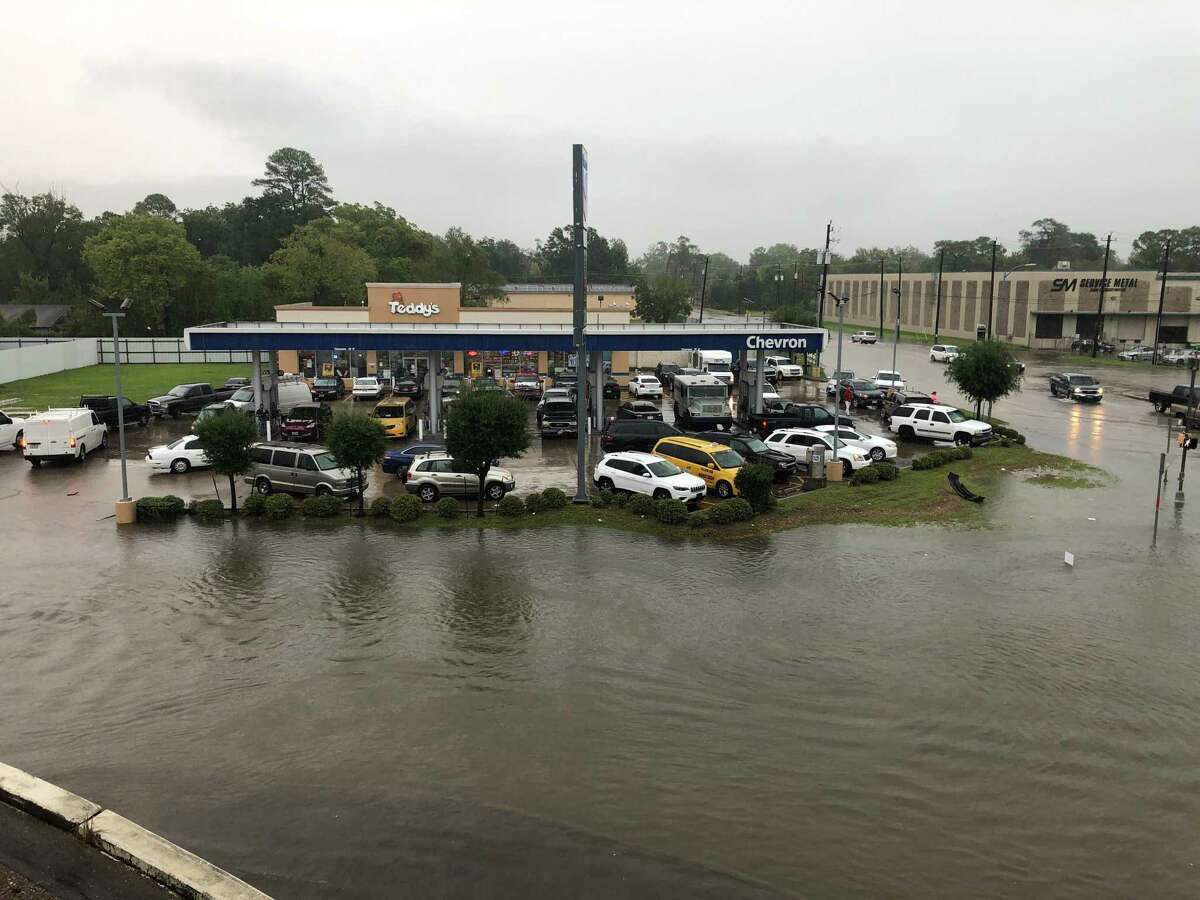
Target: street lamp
{"type": "Point", "coordinates": [1002, 281]}
{"type": "Point", "coordinates": [749, 303]}
{"type": "Point", "coordinates": [119, 314]}
{"type": "Point", "coordinates": [840, 303]}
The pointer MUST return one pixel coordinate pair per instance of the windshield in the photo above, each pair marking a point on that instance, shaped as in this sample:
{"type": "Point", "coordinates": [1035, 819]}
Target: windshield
{"type": "Point", "coordinates": [718, 367]}
{"type": "Point", "coordinates": [956, 416]}
{"type": "Point", "coordinates": [842, 376]}
{"type": "Point", "coordinates": [663, 468]}
{"type": "Point", "coordinates": [302, 414]}
{"type": "Point", "coordinates": [180, 390]}
{"type": "Point", "coordinates": [950, 348]}
{"type": "Point", "coordinates": [246, 393]}
{"type": "Point", "coordinates": [1082, 379]}
{"type": "Point", "coordinates": [754, 445]}
{"type": "Point", "coordinates": [389, 412]}
{"type": "Point", "coordinates": [175, 443]}
{"type": "Point", "coordinates": [862, 385]}
{"type": "Point", "coordinates": [366, 381]}
{"type": "Point", "coordinates": [888, 376]}
{"type": "Point", "coordinates": [325, 461]}
{"type": "Point", "coordinates": [559, 408]}
{"type": "Point", "coordinates": [326, 382]}
{"type": "Point", "coordinates": [728, 459]}
{"type": "Point", "coordinates": [647, 379]}
{"type": "Point", "coordinates": [706, 390]}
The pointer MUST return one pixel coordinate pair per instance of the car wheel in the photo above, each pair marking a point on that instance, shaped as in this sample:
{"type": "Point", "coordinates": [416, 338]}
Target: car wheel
{"type": "Point", "coordinates": [724, 490]}
{"type": "Point", "coordinates": [428, 493]}
{"type": "Point", "coordinates": [323, 490]}
{"type": "Point", "coordinates": [143, 421]}
{"type": "Point", "coordinates": [81, 454]}
{"type": "Point", "coordinates": [180, 466]}
{"type": "Point", "coordinates": [907, 433]}
{"type": "Point", "coordinates": [104, 441]}
{"type": "Point", "coordinates": [35, 462]}
{"type": "Point", "coordinates": [962, 439]}
{"type": "Point", "coordinates": [494, 492]}
{"type": "Point", "coordinates": [877, 454]}
{"type": "Point", "coordinates": [17, 439]}
{"type": "Point", "coordinates": [661, 494]}
{"type": "Point", "coordinates": [262, 486]}
{"type": "Point", "coordinates": [605, 484]}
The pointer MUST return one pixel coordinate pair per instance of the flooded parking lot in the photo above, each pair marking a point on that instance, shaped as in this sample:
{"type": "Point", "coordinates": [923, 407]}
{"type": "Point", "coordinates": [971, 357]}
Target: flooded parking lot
{"type": "Point", "coordinates": [359, 712]}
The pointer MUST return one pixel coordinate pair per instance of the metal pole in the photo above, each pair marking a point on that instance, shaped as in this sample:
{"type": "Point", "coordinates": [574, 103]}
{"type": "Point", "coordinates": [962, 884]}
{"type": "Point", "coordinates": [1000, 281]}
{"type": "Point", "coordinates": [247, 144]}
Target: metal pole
{"type": "Point", "coordinates": [937, 316]}
{"type": "Point", "coordinates": [1162, 468]}
{"type": "Point", "coordinates": [120, 407]}
{"type": "Point", "coordinates": [882, 301]}
{"type": "Point", "coordinates": [991, 292]}
{"type": "Point", "coordinates": [899, 287]}
{"type": "Point", "coordinates": [703, 288]}
{"type": "Point", "coordinates": [1162, 296]}
{"type": "Point", "coordinates": [759, 356]}
{"type": "Point", "coordinates": [837, 388]}
{"type": "Point", "coordinates": [824, 277]}
{"type": "Point", "coordinates": [1187, 419]}
{"type": "Point", "coordinates": [1100, 302]}
{"type": "Point", "coordinates": [579, 233]}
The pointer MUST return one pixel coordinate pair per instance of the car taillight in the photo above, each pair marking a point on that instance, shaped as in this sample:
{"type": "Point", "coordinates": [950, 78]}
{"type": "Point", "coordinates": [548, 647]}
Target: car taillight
{"type": "Point", "coordinates": [71, 441]}
{"type": "Point", "coordinates": [24, 443]}
{"type": "Point", "coordinates": [764, 423]}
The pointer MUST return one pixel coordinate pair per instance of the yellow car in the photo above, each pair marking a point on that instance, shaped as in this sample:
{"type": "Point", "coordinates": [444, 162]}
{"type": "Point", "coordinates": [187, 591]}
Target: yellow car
{"type": "Point", "coordinates": [716, 464]}
{"type": "Point", "coordinates": [397, 415]}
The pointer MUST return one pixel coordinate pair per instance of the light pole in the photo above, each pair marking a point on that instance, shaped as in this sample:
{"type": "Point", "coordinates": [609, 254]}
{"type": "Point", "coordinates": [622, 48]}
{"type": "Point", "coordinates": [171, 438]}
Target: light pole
{"type": "Point", "coordinates": [119, 314]}
{"type": "Point", "coordinates": [899, 285]}
{"type": "Point", "coordinates": [840, 303]}
{"type": "Point", "coordinates": [749, 303]}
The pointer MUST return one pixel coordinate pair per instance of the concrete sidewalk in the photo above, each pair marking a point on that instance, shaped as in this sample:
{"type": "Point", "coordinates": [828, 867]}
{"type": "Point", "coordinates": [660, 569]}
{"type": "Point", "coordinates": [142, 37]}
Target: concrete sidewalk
{"type": "Point", "coordinates": [65, 867]}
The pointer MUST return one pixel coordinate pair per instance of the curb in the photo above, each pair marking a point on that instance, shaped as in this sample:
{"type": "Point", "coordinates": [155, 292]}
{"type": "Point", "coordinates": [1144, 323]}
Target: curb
{"type": "Point", "coordinates": [154, 856]}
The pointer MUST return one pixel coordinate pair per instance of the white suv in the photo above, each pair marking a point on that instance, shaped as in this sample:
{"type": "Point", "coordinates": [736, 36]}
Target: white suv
{"type": "Point", "coordinates": [938, 423]}
{"type": "Point", "coordinates": [784, 367]}
{"type": "Point", "coordinates": [863, 337]}
{"type": "Point", "coordinates": [645, 473]}
{"type": "Point", "coordinates": [943, 353]}
{"type": "Point", "coordinates": [645, 386]}
{"type": "Point", "coordinates": [796, 441]}
{"type": "Point", "coordinates": [890, 381]}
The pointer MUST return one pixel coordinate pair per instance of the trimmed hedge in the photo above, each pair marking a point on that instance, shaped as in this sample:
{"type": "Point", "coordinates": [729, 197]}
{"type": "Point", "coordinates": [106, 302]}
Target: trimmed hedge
{"type": "Point", "coordinates": [620, 499]}
{"type": "Point", "coordinates": [160, 509]}
{"type": "Point", "coordinates": [887, 471]}
{"type": "Point", "coordinates": [753, 482]}
{"type": "Point", "coordinates": [405, 508]}
{"type": "Point", "coordinates": [448, 508]}
{"type": "Point", "coordinates": [642, 505]}
{"type": "Point", "coordinates": [602, 499]}
{"type": "Point", "coordinates": [207, 509]}
{"type": "Point", "coordinates": [536, 502]}
{"type": "Point", "coordinates": [381, 507]}
{"type": "Point", "coordinates": [698, 519]}
{"type": "Point", "coordinates": [941, 457]}
{"type": "Point", "coordinates": [671, 512]}
{"type": "Point", "coordinates": [865, 475]}
{"type": "Point", "coordinates": [323, 507]}
{"type": "Point", "coordinates": [555, 498]}
{"type": "Point", "coordinates": [254, 505]}
{"type": "Point", "coordinates": [280, 506]}
{"type": "Point", "coordinates": [729, 511]}
{"type": "Point", "coordinates": [511, 506]}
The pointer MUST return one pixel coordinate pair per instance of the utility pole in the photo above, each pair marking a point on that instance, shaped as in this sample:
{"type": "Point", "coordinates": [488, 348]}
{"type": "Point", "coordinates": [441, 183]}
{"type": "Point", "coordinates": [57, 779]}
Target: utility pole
{"type": "Point", "coordinates": [899, 287]}
{"type": "Point", "coordinates": [937, 315]}
{"type": "Point", "coordinates": [991, 291]}
{"type": "Point", "coordinates": [739, 290]}
{"type": "Point", "coordinates": [824, 278]}
{"type": "Point", "coordinates": [1100, 314]}
{"type": "Point", "coordinates": [703, 287]}
{"type": "Point", "coordinates": [882, 301]}
{"type": "Point", "coordinates": [579, 196]}
{"type": "Point", "coordinates": [1188, 418]}
{"type": "Point", "coordinates": [1162, 295]}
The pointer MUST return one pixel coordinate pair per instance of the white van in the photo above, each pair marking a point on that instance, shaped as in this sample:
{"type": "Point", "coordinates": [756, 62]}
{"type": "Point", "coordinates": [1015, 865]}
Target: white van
{"type": "Point", "coordinates": [65, 434]}
{"type": "Point", "coordinates": [291, 393]}
{"type": "Point", "coordinates": [717, 363]}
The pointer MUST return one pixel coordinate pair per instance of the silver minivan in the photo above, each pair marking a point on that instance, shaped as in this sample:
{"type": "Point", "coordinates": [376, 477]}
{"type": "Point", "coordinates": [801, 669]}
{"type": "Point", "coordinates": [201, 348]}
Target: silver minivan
{"type": "Point", "coordinates": [299, 469]}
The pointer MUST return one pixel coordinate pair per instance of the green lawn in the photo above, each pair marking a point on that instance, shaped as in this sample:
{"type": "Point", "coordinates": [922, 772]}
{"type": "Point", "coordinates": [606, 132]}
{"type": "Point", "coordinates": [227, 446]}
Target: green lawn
{"type": "Point", "coordinates": [139, 382]}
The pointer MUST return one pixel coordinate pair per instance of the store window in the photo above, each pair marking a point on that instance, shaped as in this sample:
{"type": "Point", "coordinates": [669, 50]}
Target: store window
{"type": "Point", "coordinates": [1048, 326]}
{"type": "Point", "coordinates": [1173, 334]}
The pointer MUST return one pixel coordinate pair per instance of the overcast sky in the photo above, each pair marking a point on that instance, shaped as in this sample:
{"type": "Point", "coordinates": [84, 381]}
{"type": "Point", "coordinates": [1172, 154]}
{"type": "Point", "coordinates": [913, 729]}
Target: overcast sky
{"type": "Point", "coordinates": [738, 124]}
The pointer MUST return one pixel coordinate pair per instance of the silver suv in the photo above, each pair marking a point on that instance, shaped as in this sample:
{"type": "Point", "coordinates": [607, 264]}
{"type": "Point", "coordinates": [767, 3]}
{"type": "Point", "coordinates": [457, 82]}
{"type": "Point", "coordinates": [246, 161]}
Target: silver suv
{"type": "Point", "coordinates": [437, 474]}
{"type": "Point", "coordinates": [299, 469]}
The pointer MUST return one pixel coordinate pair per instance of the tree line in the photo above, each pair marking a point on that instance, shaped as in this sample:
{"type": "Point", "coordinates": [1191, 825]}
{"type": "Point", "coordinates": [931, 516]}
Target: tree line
{"type": "Point", "coordinates": [292, 242]}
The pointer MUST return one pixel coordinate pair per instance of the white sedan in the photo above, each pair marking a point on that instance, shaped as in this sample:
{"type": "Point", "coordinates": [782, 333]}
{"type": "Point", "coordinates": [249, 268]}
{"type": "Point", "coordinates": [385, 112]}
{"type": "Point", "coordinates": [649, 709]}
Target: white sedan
{"type": "Point", "coordinates": [10, 430]}
{"type": "Point", "coordinates": [645, 473]}
{"type": "Point", "coordinates": [878, 448]}
{"type": "Point", "coordinates": [645, 386]}
{"type": "Point", "coordinates": [888, 380]}
{"type": "Point", "coordinates": [178, 456]}
{"type": "Point", "coordinates": [796, 442]}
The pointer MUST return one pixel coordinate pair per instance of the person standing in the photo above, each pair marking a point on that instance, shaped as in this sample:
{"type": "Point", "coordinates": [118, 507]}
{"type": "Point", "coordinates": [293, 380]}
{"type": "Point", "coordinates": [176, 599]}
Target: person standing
{"type": "Point", "coordinates": [848, 397]}
{"type": "Point", "coordinates": [933, 397]}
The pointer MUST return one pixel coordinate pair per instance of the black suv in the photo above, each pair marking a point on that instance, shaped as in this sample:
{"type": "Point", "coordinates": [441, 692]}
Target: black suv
{"type": "Point", "coordinates": [865, 392]}
{"type": "Point", "coordinates": [666, 372]}
{"type": "Point", "coordinates": [635, 434]}
{"type": "Point", "coordinates": [755, 451]}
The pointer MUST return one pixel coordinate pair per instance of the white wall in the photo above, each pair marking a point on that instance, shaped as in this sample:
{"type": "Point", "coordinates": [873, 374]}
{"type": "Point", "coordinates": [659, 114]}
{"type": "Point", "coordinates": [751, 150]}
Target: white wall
{"type": "Point", "coordinates": [42, 359]}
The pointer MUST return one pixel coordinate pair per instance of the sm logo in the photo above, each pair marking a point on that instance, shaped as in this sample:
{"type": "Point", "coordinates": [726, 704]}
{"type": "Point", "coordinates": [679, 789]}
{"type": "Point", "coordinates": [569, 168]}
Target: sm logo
{"type": "Point", "coordinates": [1063, 284]}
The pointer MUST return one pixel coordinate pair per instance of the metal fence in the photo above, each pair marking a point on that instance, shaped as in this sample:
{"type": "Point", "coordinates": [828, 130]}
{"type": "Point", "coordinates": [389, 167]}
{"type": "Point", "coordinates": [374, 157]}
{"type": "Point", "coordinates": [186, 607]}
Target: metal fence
{"type": "Point", "coordinates": [136, 350]}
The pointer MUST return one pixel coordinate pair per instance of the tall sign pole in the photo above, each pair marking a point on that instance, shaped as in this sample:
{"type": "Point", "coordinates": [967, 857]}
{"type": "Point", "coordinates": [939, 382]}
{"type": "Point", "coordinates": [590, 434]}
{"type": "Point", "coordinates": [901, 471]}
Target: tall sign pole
{"type": "Point", "coordinates": [703, 288]}
{"type": "Point", "coordinates": [579, 234]}
{"type": "Point", "coordinates": [991, 291]}
{"type": "Point", "coordinates": [1100, 302]}
{"type": "Point", "coordinates": [937, 315]}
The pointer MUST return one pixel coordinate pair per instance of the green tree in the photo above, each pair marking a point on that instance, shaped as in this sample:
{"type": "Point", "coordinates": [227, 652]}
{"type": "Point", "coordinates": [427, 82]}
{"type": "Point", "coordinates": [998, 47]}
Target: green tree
{"type": "Point", "coordinates": [147, 258]}
{"type": "Point", "coordinates": [457, 257]}
{"type": "Point", "coordinates": [397, 247]}
{"type": "Point", "coordinates": [486, 425]}
{"type": "Point", "coordinates": [42, 236]}
{"type": "Point", "coordinates": [985, 371]}
{"type": "Point", "coordinates": [666, 299]}
{"type": "Point", "coordinates": [681, 256]}
{"type": "Point", "coordinates": [209, 231]}
{"type": "Point", "coordinates": [297, 179]}
{"type": "Point", "coordinates": [18, 326]}
{"type": "Point", "coordinates": [607, 258]}
{"type": "Point", "coordinates": [156, 205]}
{"type": "Point", "coordinates": [235, 292]}
{"type": "Point", "coordinates": [313, 265]}
{"type": "Point", "coordinates": [1185, 249]}
{"type": "Point", "coordinates": [970, 256]}
{"type": "Point", "coordinates": [1048, 241]}
{"type": "Point", "coordinates": [226, 439]}
{"type": "Point", "coordinates": [505, 257]}
{"type": "Point", "coordinates": [357, 442]}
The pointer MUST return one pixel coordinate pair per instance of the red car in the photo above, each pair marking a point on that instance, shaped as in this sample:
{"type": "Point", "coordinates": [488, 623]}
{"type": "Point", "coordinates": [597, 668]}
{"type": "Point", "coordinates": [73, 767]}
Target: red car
{"type": "Point", "coordinates": [306, 422]}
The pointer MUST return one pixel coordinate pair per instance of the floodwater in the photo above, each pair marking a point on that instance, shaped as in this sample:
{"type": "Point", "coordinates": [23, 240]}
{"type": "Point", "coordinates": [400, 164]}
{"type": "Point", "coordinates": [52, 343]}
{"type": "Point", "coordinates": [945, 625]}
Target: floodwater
{"type": "Point", "coordinates": [362, 712]}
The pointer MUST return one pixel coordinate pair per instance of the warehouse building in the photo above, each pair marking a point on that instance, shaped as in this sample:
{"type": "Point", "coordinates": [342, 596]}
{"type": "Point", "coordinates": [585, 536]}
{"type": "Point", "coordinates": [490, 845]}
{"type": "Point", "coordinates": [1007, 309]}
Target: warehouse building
{"type": "Point", "coordinates": [1038, 309]}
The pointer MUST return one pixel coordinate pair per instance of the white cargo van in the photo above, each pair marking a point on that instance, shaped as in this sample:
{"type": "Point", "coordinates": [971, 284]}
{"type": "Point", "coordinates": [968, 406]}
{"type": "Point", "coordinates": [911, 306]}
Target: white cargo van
{"type": "Point", "coordinates": [291, 393]}
{"type": "Point", "coordinates": [66, 434]}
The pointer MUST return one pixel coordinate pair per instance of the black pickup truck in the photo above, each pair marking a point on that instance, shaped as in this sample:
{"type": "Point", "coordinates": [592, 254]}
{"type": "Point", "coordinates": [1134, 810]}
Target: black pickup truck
{"type": "Point", "coordinates": [105, 408]}
{"type": "Point", "coordinates": [185, 398]}
{"type": "Point", "coordinates": [790, 415]}
{"type": "Point", "coordinates": [1174, 401]}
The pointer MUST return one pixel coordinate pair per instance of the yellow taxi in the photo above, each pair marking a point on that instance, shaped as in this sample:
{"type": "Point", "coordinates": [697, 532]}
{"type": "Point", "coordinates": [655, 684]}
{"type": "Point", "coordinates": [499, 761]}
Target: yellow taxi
{"type": "Point", "coordinates": [397, 415]}
{"type": "Point", "coordinates": [715, 463]}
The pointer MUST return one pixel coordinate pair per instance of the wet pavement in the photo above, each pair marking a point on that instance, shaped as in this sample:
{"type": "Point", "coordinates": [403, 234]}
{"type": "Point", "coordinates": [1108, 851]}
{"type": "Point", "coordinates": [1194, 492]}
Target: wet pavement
{"type": "Point", "coordinates": [361, 712]}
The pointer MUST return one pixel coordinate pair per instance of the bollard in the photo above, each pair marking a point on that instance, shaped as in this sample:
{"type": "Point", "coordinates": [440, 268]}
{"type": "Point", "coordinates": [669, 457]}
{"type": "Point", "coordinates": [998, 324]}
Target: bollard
{"type": "Point", "coordinates": [126, 512]}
